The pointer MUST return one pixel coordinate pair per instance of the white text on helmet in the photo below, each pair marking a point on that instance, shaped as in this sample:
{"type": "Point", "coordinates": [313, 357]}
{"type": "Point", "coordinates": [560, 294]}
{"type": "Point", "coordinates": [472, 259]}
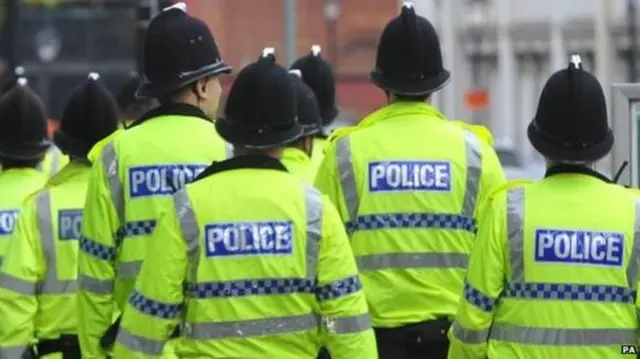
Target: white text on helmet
{"type": "Point", "coordinates": [579, 247]}
{"type": "Point", "coordinates": [391, 176]}
{"type": "Point", "coordinates": [249, 238]}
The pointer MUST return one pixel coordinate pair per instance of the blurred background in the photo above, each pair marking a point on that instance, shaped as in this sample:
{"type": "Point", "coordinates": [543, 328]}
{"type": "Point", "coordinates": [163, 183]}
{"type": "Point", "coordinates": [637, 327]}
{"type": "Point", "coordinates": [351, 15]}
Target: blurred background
{"type": "Point", "coordinates": [499, 51]}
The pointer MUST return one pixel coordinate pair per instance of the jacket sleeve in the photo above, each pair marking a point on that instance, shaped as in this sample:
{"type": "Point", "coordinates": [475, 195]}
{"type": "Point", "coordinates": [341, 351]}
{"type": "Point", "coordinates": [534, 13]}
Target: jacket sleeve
{"type": "Point", "coordinates": [96, 264]}
{"type": "Point", "coordinates": [491, 178]}
{"type": "Point", "coordinates": [485, 277]}
{"type": "Point", "coordinates": [328, 180]}
{"type": "Point", "coordinates": [155, 305]}
{"type": "Point", "coordinates": [21, 271]}
{"type": "Point", "coordinates": [342, 302]}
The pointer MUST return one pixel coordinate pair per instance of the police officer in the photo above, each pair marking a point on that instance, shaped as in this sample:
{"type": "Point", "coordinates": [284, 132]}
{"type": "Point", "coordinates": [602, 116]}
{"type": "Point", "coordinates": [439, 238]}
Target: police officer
{"type": "Point", "coordinates": [23, 144]}
{"type": "Point", "coordinates": [261, 266]}
{"type": "Point", "coordinates": [297, 156]}
{"type": "Point", "coordinates": [54, 160]}
{"type": "Point", "coordinates": [408, 184]}
{"type": "Point", "coordinates": [131, 108]}
{"type": "Point", "coordinates": [318, 75]}
{"type": "Point", "coordinates": [554, 271]}
{"type": "Point", "coordinates": [38, 279]}
{"type": "Point", "coordinates": [142, 166]}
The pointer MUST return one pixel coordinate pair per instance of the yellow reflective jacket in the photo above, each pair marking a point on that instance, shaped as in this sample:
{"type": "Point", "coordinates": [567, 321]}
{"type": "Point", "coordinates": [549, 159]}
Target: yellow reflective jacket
{"type": "Point", "coordinates": [317, 155]}
{"type": "Point", "coordinates": [38, 285]}
{"type": "Point", "coordinates": [15, 185]}
{"type": "Point", "coordinates": [553, 273]}
{"type": "Point", "coordinates": [479, 130]}
{"type": "Point", "coordinates": [299, 164]}
{"type": "Point", "coordinates": [408, 184]}
{"type": "Point", "coordinates": [138, 169]}
{"type": "Point", "coordinates": [53, 162]}
{"type": "Point", "coordinates": [250, 273]}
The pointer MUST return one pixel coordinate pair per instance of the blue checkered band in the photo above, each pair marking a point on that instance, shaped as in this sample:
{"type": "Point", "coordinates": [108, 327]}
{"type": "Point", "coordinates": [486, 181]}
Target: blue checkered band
{"type": "Point", "coordinates": [478, 299]}
{"type": "Point", "coordinates": [411, 220]}
{"type": "Point", "coordinates": [579, 292]}
{"type": "Point", "coordinates": [339, 288]}
{"type": "Point", "coordinates": [135, 228]}
{"type": "Point", "coordinates": [154, 308]}
{"type": "Point", "coordinates": [96, 249]}
{"type": "Point", "coordinates": [241, 288]}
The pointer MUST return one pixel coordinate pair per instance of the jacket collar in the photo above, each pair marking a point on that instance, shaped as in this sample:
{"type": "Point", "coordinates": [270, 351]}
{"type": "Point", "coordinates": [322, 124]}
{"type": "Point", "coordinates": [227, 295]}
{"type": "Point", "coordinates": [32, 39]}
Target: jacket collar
{"type": "Point", "coordinates": [243, 162]}
{"type": "Point", "coordinates": [172, 109]}
{"type": "Point", "coordinates": [575, 169]}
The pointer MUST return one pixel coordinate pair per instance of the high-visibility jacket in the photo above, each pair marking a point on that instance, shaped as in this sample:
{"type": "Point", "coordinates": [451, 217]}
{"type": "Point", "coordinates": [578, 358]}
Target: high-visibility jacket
{"type": "Point", "coordinates": [299, 164]}
{"type": "Point", "coordinates": [132, 181]}
{"type": "Point", "coordinates": [15, 185]}
{"type": "Point", "coordinates": [553, 273]}
{"type": "Point", "coordinates": [38, 279]}
{"type": "Point", "coordinates": [250, 273]}
{"type": "Point", "coordinates": [408, 185]}
{"type": "Point", "coordinates": [317, 154]}
{"type": "Point", "coordinates": [479, 130]}
{"type": "Point", "coordinates": [53, 162]}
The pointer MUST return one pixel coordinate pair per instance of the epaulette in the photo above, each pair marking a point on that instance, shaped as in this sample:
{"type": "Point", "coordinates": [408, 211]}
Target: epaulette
{"type": "Point", "coordinates": [507, 186]}
{"type": "Point", "coordinates": [341, 132]}
{"type": "Point", "coordinates": [480, 131]}
{"type": "Point", "coordinates": [94, 153]}
{"type": "Point", "coordinates": [635, 191]}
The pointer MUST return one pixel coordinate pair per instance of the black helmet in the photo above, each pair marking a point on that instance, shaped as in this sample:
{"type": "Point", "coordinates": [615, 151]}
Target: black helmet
{"type": "Point", "coordinates": [409, 60]}
{"type": "Point", "coordinates": [571, 121]}
{"type": "Point", "coordinates": [24, 123]}
{"type": "Point", "coordinates": [318, 75]}
{"type": "Point", "coordinates": [178, 50]}
{"type": "Point", "coordinates": [89, 115]}
{"type": "Point", "coordinates": [128, 104]}
{"type": "Point", "coordinates": [306, 104]}
{"type": "Point", "coordinates": [10, 79]}
{"type": "Point", "coordinates": [260, 111]}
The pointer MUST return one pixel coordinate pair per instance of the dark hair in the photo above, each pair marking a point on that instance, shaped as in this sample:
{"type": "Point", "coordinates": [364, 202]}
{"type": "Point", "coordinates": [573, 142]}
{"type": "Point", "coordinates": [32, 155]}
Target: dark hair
{"type": "Point", "coordinates": [12, 163]}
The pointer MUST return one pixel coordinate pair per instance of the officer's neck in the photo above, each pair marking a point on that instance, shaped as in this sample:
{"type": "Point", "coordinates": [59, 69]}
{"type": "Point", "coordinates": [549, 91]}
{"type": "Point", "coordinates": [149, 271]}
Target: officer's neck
{"type": "Point", "coordinates": [243, 151]}
{"type": "Point", "coordinates": [551, 164]}
{"type": "Point", "coordinates": [393, 98]}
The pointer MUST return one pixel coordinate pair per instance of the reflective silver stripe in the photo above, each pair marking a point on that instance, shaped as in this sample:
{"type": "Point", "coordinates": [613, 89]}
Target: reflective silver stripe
{"type": "Point", "coordinates": [14, 352]}
{"type": "Point", "coordinates": [40, 166]}
{"type": "Point", "coordinates": [633, 270]}
{"type": "Point", "coordinates": [347, 325]}
{"type": "Point", "coordinates": [51, 283]}
{"type": "Point", "coordinates": [313, 202]}
{"type": "Point", "coordinates": [562, 337]}
{"type": "Point", "coordinates": [515, 230]}
{"type": "Point", "coordinates": [474, 171]}
{"type": "Point", "coordinates": [139, 344]}
{"type": "Point", "coordinates": [249, 328]}
{"type": "Point", "coordinates": [347, 176]}
{"type": "Point", "coordinates": [95, 285]}
{"type": "Point", "coordinates": [469, 336]}
{"type": "Point", "coordinates": [17, 285]}
{"type": "Point", "coordinates": [412, 260]}
{"type": "Point", "coordinates": [55, 161]}
{"type": "Point", "coordinates": [128, 269]}
{"type": "Point", "coordinates": [229, 150]}
{"type": "Point", "coordinates": [110, 163]}
{"type": "Point", "coordinates": [189, 227]}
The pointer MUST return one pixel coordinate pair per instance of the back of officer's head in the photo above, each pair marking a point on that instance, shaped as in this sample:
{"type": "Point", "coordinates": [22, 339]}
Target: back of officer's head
{"type": "Point", "coordinates": [129, 106]}
{"type": "Point", "coordinates": [570, 124]}
{"type": "Point", "coordinates": [260, 113]}
{"type": "Point", "coordinates": [308, 112]}
{"type": "Point", "coordinates": [318, 75]}
{"type": "Point", "coordinates": [90, 114]}
{"type": "Point", "coordinates": [409, 59]}
{"type": "Point", "coordinates": [23, 120]}
{"type": "Point", "coordinates": [181, 61]}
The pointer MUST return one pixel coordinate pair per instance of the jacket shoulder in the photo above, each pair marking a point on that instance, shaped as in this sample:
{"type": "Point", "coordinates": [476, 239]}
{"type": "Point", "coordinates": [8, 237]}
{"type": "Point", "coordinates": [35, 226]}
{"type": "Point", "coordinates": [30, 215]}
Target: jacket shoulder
{"type": "Point", "coordinates": [508, 186]}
